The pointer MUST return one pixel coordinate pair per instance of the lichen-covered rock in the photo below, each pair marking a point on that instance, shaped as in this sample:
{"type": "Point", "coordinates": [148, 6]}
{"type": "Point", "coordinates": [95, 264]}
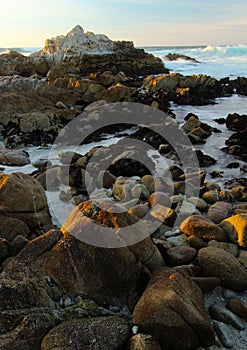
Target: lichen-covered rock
{"type": "Point", "coordinates": [236, 229]}
{"type": "Point", "coordinates": [109, 333]}
{"type": "Point", "coordinates": [173, 305]}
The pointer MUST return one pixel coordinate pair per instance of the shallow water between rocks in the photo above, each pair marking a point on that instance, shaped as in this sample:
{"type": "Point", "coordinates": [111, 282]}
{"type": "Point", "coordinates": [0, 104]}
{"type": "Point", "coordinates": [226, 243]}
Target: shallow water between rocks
{"type": "Point", "coordinates": [212, 147]}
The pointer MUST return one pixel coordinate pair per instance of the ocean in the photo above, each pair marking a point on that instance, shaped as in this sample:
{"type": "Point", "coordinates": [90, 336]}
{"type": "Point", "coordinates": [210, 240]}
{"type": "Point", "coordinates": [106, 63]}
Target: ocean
{"type": "Point", "coordinates": [217, 61]}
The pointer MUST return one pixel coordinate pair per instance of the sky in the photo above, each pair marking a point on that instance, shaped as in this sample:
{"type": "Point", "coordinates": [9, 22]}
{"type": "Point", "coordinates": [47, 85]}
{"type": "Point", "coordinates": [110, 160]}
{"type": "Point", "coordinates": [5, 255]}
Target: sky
{"type": "Point", "coordinates": [28, 23]}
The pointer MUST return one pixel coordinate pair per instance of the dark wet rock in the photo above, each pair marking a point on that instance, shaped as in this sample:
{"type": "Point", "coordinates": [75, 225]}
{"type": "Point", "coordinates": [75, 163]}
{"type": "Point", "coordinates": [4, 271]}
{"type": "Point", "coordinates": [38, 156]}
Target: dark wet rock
{"type": "Point", "coordinates": [237, 144]}
{"type": "Point", "coordinates": [204, 159]}
{"type": "Point", "coordinates": [206, 283]}
{"type": "Point", "coordinates": [225, 334]}
{"type": "Point", "coordinates": [236, 122]}
{"type": "Point", "coordinates": [240, 84]}
{"type": "Point", "coordinates": [179, 57]}
{"type": "Point", "coordinates": [4, 249]}
{"type": "Point", "coordinates": [165, 310]}
{"type": "Point", "coordinates": [213, 262]}
{"type": "Point", "coordinates": [220, 313]}
{"type": "Point", "coordinates": [237, 306]}
{"type": "Point", "coordinates": [181, 255]}
{"type": "Point", "coordinates": [228, 247]}
{"type": "Point", "coordinates": [220, 120]}
{"type": "Point", "coordinates": [174, 172]}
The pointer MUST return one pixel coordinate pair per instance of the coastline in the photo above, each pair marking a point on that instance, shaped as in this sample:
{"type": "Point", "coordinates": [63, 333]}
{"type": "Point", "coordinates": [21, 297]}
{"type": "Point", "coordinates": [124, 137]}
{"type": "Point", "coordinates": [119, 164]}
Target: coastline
{"type": "Point", "coordinates": [131, 255]}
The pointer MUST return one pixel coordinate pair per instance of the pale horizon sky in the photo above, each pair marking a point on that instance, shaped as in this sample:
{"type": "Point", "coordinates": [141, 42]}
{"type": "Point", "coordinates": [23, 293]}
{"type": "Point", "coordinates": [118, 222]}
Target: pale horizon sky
{"type": "Point", "coordinates": [28, 23]}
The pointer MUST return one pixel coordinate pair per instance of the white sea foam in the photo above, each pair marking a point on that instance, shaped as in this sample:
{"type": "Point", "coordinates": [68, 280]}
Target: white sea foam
{"type": "Point", "coordinates": [216, 61]}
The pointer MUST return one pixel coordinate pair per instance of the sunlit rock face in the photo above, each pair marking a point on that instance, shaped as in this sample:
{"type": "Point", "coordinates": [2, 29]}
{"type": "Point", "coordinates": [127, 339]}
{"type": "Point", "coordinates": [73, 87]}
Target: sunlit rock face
{"type": "Point", "coordinates": [78, 42]}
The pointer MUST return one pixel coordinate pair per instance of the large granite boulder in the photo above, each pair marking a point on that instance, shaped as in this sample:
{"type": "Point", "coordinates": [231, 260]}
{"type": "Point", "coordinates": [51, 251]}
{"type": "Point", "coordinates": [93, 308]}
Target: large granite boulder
{"type": "Point", "coordinates": [22, 197]}
{"type": "Point", "coordinates": [96, 263]}
{"type": "Point", "coordinates": [109, 333]}
{"type": "Point", "coordinates": [172, 310]}
{"type": "Point", "coordinates": [216, 262]}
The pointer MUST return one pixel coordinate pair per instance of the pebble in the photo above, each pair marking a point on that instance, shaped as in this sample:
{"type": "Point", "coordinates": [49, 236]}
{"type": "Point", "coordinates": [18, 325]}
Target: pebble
{"type": "Point", "coordinates": [220, 313]}
{"type": "Point", "coordinates": [224, 333]}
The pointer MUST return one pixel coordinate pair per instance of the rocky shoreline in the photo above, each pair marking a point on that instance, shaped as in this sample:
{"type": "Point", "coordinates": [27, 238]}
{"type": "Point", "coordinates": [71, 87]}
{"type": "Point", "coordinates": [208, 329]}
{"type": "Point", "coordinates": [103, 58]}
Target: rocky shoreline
{"type": "Point", "coordinates": [144, 261]}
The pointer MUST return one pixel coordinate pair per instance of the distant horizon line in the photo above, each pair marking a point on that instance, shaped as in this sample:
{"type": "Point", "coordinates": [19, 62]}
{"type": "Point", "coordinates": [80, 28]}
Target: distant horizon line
{"type": "Point", "coordinates": [137, 46]}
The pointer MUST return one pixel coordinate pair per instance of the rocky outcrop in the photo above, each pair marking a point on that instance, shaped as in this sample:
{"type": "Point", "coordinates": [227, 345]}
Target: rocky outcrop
{"type": "Point", "coordinates": [191, 90]}
{"type": "Point", "coordinates": [179, 57]}
{"type": "Point", "coordinates": [82, 53]}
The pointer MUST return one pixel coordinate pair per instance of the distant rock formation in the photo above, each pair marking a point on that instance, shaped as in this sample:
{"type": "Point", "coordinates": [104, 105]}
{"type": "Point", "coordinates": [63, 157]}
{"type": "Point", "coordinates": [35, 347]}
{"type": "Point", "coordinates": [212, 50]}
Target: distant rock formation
{"type": "Point", "coordinates": [179, 57]}
{"type": "Point", "coordinates": [78, 42]}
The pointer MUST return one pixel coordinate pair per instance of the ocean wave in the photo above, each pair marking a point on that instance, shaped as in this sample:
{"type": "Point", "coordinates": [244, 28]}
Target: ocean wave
{"type": "Point", "coordinates": [224, 52]}
{"type": "Point", "coordinates": [22, 50]}
{"type": "Point", "coordinates": [204, 53]}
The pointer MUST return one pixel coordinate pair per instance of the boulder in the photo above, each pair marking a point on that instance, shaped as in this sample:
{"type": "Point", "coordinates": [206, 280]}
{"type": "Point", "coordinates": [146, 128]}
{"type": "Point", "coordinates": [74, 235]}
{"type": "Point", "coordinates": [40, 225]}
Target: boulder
{"type": "Point", "coordinates": [236, 122]}
{"type": "Point", "coordinates": [181, 255]}
{"type": "Point", "coordinates": [236, 229]}
{"type": "Point", "coordinates": [217, 262]}
{"type": "Point", "coordinates": [109, 333]}
{"type": "Point", "coordinates": [29, 202]}
{"type": "Point", "coordinates": [201, 226]}
{"type": "Point", "coordinates": [14, 157]}
{"type": "Point", "coordinates": [173, 305]}
{"type": "Point", "coordinates": [219, 211]}
{"type": "Point", "coordinates": [98, 262]}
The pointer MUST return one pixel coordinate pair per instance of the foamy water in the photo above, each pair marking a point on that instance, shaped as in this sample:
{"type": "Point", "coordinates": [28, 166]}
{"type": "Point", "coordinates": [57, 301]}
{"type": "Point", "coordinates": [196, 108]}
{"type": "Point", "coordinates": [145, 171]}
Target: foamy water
{"type": "Point", "coordinates": [216, 61]}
